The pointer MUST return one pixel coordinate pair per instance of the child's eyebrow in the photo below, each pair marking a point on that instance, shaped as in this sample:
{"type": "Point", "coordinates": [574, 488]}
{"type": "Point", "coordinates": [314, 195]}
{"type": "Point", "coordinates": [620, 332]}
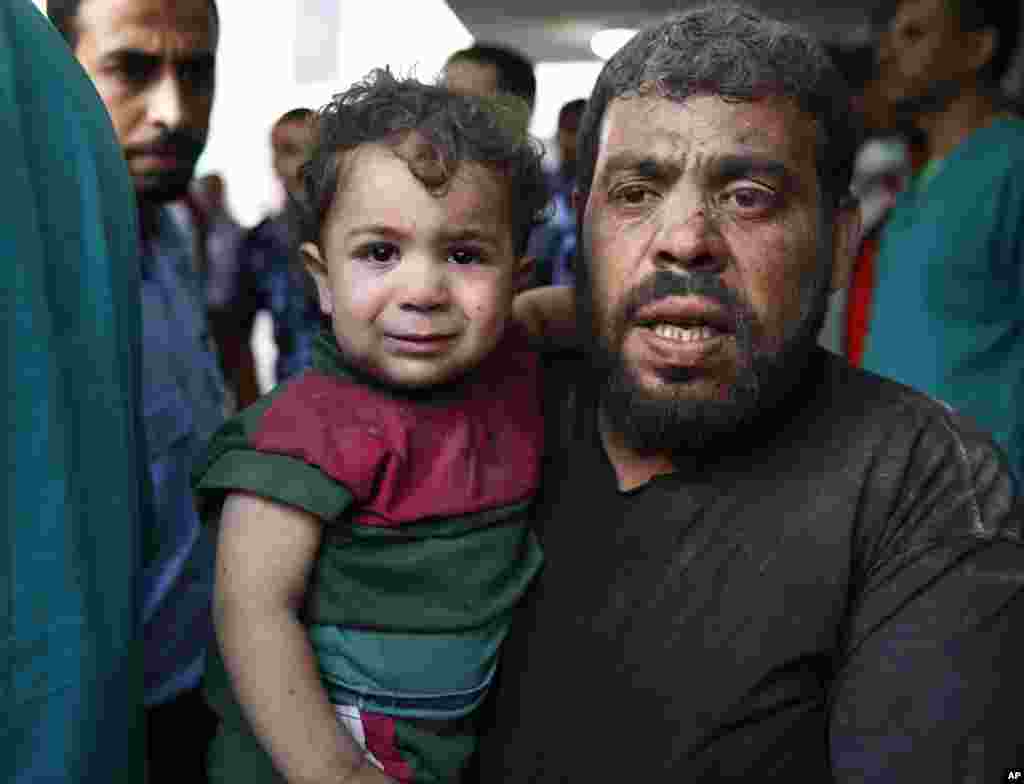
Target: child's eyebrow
{"type": "Point", "coordinates": [469, 235]}
{"type": "Point", "coordinates": [376, 229]}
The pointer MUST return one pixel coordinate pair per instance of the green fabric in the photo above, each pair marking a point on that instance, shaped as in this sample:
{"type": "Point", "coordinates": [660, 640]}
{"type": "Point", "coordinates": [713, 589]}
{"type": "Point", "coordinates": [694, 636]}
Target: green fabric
{"type": "Point", "coordinates": [434, 759]}
{"type": "Point", "coordinates": [426, 584]}
{"type": "Point", "coordinates": [74, 474]}
{"type": "Point", "coordinates": [948, 311]}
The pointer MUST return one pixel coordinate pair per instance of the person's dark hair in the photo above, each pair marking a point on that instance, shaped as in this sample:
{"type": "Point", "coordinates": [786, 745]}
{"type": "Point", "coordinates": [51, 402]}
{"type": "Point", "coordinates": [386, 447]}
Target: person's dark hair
{"type": "Point", "coordinates": [571, 109]}
{"type": "Point", "coordinates": [64, 13]}
{"type": "Point", "coordinates": [301, 113]}
{"type": "Point", "coordinates": [454, 129]}
{"type": "Point", "coordinates": [1003, 16]}
{"type": "Point", "coordinates": [739, 54]}
{"type": "Point", "coordinates": [515, 70]}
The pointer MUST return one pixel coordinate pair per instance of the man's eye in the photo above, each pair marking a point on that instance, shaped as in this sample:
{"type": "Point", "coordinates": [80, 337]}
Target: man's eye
{"type": "Point", "coordinates": [378, 252]}
{"type": "Point", "coordinates": [750, 200]}
{"type": "Point", "coordinates": [136, 73]}
{"type": "Point", "coordinates": [465, 256]}
{"type": "Point", "coordinates": [199, 75]}
{"type": "Point", "coordinates": [634, 195]}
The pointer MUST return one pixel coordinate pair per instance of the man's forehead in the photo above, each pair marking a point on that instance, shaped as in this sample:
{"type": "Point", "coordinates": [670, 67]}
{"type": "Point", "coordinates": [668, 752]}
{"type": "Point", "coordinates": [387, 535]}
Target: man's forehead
{"type": "Point", "coordinates": [669, 128]}
{"type": "Point", "coordinates": [120, 23]}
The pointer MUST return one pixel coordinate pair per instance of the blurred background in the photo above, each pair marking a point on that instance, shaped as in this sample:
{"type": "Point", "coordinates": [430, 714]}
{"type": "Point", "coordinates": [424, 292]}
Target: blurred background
{"type": "Point", "coordinates": [278, 54]}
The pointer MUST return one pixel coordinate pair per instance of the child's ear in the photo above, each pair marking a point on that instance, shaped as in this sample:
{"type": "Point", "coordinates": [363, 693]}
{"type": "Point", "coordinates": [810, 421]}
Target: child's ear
{"type": "Point", "coordinates": [524, 273]}
{"type": "Point", "coordinates": [317, 268]}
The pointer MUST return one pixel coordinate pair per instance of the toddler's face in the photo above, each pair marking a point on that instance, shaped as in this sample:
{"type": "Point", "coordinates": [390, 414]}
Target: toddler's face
{"type": "Point", "coordinates": [418, 286]}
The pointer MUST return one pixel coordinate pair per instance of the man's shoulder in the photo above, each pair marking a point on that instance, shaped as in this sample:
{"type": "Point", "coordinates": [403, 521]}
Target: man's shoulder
{"type": "Point", "coordinates": [913, 446]}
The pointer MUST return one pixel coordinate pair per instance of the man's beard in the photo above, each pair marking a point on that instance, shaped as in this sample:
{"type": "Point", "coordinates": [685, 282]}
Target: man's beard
{"type": "Point", "coordinates": [671, 424]}
{"type": "Point", "coordinates": [934, 100]}
{"type": "Point", "coordinates": [159, 187]}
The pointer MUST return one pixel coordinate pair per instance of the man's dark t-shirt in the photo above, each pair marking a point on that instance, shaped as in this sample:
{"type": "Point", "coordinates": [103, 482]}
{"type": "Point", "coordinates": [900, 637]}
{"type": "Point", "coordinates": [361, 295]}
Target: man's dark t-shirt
{"type": "Point", "coordinates": [840, 595]}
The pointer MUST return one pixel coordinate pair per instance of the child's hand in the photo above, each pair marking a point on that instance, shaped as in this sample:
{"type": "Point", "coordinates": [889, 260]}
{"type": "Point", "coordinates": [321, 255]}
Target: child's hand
{"type": "Point", "coordinates": [548, 313]}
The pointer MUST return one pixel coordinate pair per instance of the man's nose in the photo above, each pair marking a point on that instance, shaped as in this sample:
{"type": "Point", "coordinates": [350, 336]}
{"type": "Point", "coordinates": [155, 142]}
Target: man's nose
{"type": "Point", "coordinates": [168, 101]}
{"type": "Point", "coordinates": [687, 236]}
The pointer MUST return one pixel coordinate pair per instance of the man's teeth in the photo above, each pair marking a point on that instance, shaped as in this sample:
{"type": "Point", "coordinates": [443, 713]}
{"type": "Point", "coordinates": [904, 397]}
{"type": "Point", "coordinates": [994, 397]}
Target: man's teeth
{"type": "Point", "coordinates": [684, 334]}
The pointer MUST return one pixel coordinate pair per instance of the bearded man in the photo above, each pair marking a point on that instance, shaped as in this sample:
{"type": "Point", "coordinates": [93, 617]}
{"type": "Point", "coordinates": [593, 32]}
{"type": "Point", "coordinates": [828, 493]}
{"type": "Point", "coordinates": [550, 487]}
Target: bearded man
{"type": "Point", "coordinates": [761, 564]}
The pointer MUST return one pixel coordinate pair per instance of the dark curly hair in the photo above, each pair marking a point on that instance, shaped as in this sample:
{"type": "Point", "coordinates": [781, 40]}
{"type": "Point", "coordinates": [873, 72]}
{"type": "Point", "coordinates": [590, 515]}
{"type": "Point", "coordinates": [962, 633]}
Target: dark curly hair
{"type": "Point", "coordinates": [384, 109]}
{"type": "Point", "coordinates": [737, 53]}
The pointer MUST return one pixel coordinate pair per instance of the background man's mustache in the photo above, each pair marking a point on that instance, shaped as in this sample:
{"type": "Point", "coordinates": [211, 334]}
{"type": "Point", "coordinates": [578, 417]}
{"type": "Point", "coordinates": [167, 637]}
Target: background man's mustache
{"type": "Point", "coordinates": [180, 145]}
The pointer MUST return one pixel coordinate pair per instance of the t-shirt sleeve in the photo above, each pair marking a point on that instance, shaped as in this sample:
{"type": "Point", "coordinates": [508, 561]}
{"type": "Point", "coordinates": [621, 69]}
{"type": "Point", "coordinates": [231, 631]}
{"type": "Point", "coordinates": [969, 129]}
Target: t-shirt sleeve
{"type": "Point", "coordinates": [232, 463]}
{"type": "Point", "coordinates": [930, 680]}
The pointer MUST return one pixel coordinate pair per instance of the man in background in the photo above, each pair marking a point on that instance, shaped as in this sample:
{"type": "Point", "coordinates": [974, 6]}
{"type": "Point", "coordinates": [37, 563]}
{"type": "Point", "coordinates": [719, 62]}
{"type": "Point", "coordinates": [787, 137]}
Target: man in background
{"type": "Point", "coordinates": [152, 62]}
{"type": "Point", "coordinates": [947, 314]}
{"type": "Point", "coordinates": [489, 69]}
{"type": "Point", "coordinates": [553, 243]}
{"type": "Point", "coordinates": [270, 276]}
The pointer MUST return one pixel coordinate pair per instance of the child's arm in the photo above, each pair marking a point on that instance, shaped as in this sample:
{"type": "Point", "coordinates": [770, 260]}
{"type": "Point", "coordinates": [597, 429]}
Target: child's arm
{"type": "Point", "coordinates": [549, 315]}
{"type": "Point", "coordinates": [265, 551]}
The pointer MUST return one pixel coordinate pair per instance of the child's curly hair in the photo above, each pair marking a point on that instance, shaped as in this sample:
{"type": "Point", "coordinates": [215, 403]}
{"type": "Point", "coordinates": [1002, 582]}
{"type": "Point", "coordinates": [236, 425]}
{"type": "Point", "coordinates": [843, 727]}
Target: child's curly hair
{"type": "Point", "coordinates": [454, 128]}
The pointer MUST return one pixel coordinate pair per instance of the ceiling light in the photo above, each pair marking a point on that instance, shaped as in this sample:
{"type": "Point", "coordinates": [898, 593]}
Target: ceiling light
{"type": "Point", "coordinates": [605, 43]}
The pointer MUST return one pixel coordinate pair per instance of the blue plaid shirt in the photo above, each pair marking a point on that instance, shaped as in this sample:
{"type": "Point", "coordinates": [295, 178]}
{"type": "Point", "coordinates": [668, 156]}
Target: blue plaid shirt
{"type": "Point", "coordinates": [183, 404]}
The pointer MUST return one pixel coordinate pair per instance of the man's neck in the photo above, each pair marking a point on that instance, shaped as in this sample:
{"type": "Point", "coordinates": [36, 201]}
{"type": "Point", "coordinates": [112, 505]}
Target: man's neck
{"type": "Point", "coordinates": [149, 220]}
{"type": "Point", "coordinates": [946, 130]}
{"type": "Point", "coordinates": [632, 469]}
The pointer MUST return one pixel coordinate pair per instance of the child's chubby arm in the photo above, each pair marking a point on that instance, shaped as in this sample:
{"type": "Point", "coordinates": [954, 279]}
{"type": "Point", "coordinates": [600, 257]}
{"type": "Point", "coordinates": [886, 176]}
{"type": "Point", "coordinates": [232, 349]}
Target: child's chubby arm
{"type": "Point", "coordinates": [548, 313]}
{"type": "Point", "coordinates": [265, 551]}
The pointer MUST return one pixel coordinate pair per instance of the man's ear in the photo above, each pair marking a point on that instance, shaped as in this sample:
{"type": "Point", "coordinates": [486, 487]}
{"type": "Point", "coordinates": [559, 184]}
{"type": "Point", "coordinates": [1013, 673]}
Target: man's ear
{"type": "Point", "coordinates": [846, 236]}
{"type": "Point", "coordinates": [524, 273]}
{"type": "Point", "coordinates": [981, 47]}
{"type": "Point", "coordinates": [317, 268]}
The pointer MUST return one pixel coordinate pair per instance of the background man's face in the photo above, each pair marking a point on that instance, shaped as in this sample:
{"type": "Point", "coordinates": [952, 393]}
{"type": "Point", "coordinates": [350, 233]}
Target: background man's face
{"type": "Point", "coordinates": [708, 267]}
{"type": "Point", "coordinates": [921, 55]}
{"type": "Point", "coordinates": [153, 64]}
{"type": "Point", "coordinates": [292, 143]}
{"type": "Point", "coordinates": [471, 78]}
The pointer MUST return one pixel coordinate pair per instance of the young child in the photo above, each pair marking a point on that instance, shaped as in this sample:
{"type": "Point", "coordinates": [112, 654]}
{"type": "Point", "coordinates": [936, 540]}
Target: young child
{"type": "Point", "coordinates": [372, 540]}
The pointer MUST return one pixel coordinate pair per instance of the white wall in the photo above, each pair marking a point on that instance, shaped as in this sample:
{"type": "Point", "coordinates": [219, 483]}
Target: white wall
{"type": "Point", "coordinates": [257, 76]}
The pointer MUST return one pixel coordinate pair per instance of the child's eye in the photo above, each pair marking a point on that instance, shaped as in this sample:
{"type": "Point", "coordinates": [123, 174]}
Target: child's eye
{"type": "Point", "coordinates": [378, 252]}
{"type": "Point", "coordinates": [465, 256]}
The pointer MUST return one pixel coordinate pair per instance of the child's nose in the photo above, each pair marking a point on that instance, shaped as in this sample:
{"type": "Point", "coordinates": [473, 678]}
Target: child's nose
{"type": "Point", "coordinates": [425, 285]}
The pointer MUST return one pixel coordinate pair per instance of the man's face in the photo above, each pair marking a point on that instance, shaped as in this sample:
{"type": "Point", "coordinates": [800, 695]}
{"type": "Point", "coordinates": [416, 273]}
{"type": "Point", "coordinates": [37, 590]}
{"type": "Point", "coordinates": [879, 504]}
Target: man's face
{"type": "Point", "coordinates": [471, 78]}
{"type": "Point", "coordinates": [708, 263]}
{"type": "Point", "coordinates": [566, 139]}
{"type": "Point", "coordinates": [418, 285]}
{"type": "Point", "coordinates": [153, 64]}
{"type": "Point", "coordinates": [291, 143]}
{"type": "Point", "coordinates": [922, 56]}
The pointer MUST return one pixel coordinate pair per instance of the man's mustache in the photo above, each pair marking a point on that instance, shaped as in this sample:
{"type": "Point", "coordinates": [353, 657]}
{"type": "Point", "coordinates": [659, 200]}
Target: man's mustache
{"type": "Point", "coordinates": [176, 144]}
{"type": "Point", "coordinates": [699, 283]}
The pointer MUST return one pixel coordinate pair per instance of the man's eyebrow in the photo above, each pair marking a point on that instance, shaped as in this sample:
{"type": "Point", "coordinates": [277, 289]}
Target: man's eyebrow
{"type": "Point", "coordinates": [131, 55]}
{"type": "Point", "coordinates": [737, 167]}
{"type": "Point", "coordinates": [643, 165]}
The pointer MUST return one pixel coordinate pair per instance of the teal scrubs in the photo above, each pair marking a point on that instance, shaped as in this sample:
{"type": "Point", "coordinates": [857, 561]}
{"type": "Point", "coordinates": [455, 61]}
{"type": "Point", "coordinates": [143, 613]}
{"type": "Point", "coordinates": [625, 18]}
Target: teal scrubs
{"type": "Point", "coordinates": [948, 311]}
{"type": "Point", "coordinates": [75, 490]}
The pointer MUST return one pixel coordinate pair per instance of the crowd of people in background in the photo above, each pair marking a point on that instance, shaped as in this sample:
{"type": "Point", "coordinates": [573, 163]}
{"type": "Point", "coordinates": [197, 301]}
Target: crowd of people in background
{"type": "Point", "coordinates": [737, 633]}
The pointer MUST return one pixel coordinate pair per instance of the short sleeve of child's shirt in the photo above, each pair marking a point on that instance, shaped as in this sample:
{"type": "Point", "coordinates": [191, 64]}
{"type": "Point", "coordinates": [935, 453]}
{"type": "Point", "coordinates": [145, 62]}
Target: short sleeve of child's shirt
{"type": "Point", "coordinates": [303, 445]}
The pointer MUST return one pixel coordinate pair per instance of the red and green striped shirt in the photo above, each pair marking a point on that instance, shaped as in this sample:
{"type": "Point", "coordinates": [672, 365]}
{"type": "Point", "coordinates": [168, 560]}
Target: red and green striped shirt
{"type": "Point", "coordinates": [425, 546]}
